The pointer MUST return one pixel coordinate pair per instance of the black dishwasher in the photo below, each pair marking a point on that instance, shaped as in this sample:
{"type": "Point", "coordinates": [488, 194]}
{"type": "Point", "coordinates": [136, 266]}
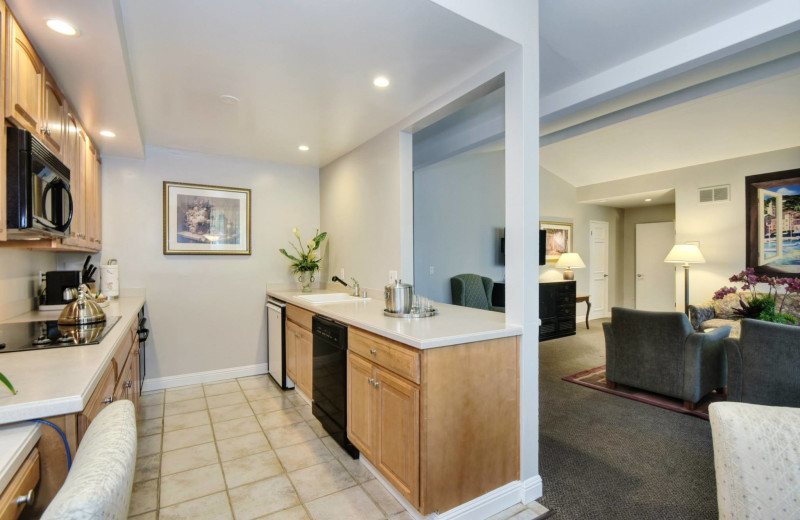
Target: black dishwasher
{"type": "Point", "coordinates": [330, 379]}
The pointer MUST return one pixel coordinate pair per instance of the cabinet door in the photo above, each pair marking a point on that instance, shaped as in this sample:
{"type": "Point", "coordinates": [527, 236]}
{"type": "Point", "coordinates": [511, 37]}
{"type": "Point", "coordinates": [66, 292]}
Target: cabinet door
{"type": "Point", "coordinates": [124, 388]}
{"type": "Point", "coordinates": [54, 112]}
{"type": "Point", "coordinates": [136, 374]}
{"type": "Point", "coordinates": [72, 154]}
{"type": "Point", "coordinates": [398, 433]}
{"type": "Point", "coordinates": [292, 335]}
{"type": "Point", "coordinates": [24, 79]}
{"type": "Point", "coordinates": [92, 198]}
{"type": "Point", "coordinates": [362, 401]}
{"type": "Point", "coordinates": [103, 395]}
{"type": "Point", "coordinates": [305, 361]}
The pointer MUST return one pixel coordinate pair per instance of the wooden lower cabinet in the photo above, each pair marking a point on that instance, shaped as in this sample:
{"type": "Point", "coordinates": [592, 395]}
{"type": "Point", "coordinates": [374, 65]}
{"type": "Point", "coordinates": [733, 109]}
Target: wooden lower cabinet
{"type": "Point", "coordinates": [102, 396]}
{"type": "Point", "coordinates": [447, 440]}
{"type": "Point", "coordinates": [24, 482]}
{"type": "Point", "coordinates": [299, 350]}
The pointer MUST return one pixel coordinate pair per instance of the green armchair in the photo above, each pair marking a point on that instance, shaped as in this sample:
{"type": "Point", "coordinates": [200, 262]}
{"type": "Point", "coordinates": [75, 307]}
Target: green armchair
{"type": "Point", "coordinates": [472, 290]}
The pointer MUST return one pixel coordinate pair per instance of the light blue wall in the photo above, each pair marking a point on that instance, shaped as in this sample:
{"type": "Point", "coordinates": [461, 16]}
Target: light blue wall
{"type": "Point", "coordinates": [459, 211]}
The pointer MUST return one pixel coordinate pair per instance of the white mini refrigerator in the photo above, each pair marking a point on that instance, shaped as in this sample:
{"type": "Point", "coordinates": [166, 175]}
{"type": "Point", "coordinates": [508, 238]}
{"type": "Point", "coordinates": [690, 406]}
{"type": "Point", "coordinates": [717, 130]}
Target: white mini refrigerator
{"type": "Point", "coordinates": [276, 344]}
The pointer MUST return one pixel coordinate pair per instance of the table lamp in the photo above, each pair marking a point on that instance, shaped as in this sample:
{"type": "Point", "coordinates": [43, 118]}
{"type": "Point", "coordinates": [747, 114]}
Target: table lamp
{"type": "Point", "coordinates": [685, 254]}
{"type": "Point", "coordinates": [570, 261]}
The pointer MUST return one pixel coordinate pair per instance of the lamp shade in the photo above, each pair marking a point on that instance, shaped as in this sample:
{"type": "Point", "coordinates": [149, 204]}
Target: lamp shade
{"type": "Point", "coordinates": [570, 261]}
{"type": "Point", "coordinates": [685, 254]}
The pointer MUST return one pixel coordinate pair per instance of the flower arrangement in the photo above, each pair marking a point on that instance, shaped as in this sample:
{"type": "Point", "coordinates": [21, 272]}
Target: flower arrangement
{"type": "Point", "coordinates": [762, 306]}
{"type": "Point", "coordinates": [307, 259]}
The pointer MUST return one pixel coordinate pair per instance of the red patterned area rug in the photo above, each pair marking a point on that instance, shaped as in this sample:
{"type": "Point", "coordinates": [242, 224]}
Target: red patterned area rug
{"type": "Point", "coordinates": [596, 378]}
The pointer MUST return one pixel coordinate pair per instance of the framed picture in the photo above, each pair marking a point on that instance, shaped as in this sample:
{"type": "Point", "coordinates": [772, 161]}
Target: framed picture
{"type": "Point", "coordinates": [773, 223]}
{"type": "Point", "coordinates": [206, 220]}
{"type": "Point", "coordinates": [558, 239]}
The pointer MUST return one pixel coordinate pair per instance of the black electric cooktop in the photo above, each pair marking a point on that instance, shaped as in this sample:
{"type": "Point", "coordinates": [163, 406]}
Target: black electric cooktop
{"type": "Point", "coordinates": [40, 335]}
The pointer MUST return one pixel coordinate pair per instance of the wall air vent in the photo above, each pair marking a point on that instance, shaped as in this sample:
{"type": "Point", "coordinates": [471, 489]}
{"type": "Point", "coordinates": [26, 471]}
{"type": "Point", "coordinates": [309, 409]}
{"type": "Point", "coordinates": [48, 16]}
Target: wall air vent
{"type": "Point", "coordinates": [715, 194]}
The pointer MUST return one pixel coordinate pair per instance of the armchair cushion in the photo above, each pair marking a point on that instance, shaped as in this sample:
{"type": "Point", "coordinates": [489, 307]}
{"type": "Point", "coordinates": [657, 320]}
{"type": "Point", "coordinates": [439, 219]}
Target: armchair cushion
{"type": "Point", "coordinates": [472, 290]}
{"type": "Point", "coordinates": [756, 460]}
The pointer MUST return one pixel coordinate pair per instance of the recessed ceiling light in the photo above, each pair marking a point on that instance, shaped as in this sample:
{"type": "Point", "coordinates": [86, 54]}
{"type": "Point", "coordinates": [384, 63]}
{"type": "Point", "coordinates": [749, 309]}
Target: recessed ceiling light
{"type": "Point", "coordinates": [303, 148]}
{"type": "Point", "coordinates": [62, 27]}
{"type": "Point", "coordinates": [107, 133]}
{"type": "Point", "coordinates": [381, 82]}
{"type": "Point", "coordinates": [648, 200]}
{"type": "Point", "coordinates": [227, 99]}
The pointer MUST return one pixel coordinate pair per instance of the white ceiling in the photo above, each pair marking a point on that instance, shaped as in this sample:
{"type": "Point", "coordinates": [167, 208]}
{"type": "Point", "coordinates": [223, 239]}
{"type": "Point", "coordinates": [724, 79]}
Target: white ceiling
{"type": "Point", "coordinates": [636, 200]}
{"type": "Point", "coordinates": [755, 118]}
{"type": "Point", "coordinates": [90, 69]}
{"type": "Point", "coordinates": [302, 70]}
{"type": "Point", "coordinates": [581, 38]}
{"type": "Point", "coordinates": [153, 70]}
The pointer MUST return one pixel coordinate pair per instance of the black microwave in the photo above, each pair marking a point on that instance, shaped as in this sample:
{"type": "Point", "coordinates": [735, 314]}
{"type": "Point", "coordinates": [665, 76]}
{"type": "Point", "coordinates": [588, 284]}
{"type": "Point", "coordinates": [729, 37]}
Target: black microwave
{"type": "Point", "coordinates": [38, 199]}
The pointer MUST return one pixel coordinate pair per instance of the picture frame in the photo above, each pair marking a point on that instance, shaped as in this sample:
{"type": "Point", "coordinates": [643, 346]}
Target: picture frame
{"type": "Point", "coordinates": [772, 202]}
{"type": "Point", "coordinates": [206, 220]}
{"type": "Point", "coordinates": [558, 239]}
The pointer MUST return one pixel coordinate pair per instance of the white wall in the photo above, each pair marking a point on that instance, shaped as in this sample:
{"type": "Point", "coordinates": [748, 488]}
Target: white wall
{"type": "Point", "coordinates": [206, 312]}
{"type": "Point", "coordinates": [719, 227]}
{"type": "Point", "coordinates": [362, 210]}
{"type": "Point", "coordinates": [459, 211]}
{"type": "Point", "coordinates": [558, 203]}
{"type": "Point", "coordinates": [19, 270]}
{"type": "Point", "coordinates": [517, 20]}
{"type": "Point", "coordinates": [633, 216]}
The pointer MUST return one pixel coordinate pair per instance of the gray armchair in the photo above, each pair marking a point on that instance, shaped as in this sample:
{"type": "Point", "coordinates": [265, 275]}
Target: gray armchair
{"type": "Point", "coordinates": [472, 290]}
{"type": "Point", "coordinates": [661, 353]}
{"type": "Point", "coordinates": [764, 363]}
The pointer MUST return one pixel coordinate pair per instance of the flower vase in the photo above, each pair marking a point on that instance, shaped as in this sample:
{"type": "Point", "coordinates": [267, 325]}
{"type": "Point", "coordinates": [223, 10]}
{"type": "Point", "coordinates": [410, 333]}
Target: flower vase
{"type": "Point", "coordinates": [306, 279]}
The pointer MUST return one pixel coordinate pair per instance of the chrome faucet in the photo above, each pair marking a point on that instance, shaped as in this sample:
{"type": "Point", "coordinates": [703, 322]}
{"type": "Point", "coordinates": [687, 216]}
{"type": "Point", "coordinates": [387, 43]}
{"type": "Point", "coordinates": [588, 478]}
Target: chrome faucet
{"type": "Point", "coordinates": [354, 286]}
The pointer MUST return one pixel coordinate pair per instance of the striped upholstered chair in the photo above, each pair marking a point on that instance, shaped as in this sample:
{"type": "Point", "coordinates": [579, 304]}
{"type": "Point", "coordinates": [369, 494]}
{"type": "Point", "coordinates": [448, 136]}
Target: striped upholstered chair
{"type": "Point", "coordinates": [472, 290]}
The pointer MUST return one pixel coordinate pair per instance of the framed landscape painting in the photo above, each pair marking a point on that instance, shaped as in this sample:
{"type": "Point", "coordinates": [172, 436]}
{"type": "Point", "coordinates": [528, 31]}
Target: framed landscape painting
{"type": "Point", "coordinates": [773, 223]}
{"type": "Point", "coordinates": [206, 220]}
{"type": "Point", "coordinates": [558, 239]}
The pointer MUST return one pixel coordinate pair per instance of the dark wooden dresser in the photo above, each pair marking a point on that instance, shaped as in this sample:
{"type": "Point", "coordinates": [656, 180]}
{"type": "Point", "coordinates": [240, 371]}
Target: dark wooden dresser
{"type": "Point", "coordinates": [557, 309]}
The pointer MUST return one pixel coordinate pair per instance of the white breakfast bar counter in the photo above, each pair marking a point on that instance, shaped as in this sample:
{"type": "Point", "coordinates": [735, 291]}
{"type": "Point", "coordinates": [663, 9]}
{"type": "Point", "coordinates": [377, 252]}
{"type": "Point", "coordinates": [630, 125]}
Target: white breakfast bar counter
{"type": "Point", "coordinates": [452, 326]}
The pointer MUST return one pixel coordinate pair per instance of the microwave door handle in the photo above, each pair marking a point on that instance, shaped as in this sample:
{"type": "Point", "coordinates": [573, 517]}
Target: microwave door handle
{"type": "Point", "coordinates": [65, 225]}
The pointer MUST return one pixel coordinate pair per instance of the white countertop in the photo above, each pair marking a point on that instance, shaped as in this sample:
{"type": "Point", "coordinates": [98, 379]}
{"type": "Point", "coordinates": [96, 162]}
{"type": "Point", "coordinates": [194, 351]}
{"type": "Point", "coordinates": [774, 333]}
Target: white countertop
{"type": "Point", "coordinates": [452, 326]}
{"type": "Point", "coordinates": [60, 380]}
{"type": "Point", "coordinates": [16, 442]}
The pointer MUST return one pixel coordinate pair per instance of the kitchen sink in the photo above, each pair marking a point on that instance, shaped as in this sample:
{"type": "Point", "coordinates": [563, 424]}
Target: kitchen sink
{"type": "Point", "coordinates": [318, 299]}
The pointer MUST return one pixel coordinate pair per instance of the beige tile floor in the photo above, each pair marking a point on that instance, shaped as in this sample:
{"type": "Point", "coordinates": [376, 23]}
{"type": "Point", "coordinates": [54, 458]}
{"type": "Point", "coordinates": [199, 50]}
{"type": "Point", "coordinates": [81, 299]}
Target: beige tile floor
{"type": "Point", "coordinates": [245, 449]}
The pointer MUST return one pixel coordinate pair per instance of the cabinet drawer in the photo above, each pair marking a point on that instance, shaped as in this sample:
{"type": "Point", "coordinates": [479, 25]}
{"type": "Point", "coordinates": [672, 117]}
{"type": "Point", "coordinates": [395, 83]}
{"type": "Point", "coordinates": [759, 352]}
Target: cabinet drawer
{"type": "Point", "coordinates": [403, 361]}
{"type": "Point", "coordinates": [300, 316]}
{"type": "Point", "coordinates": [23, 482]}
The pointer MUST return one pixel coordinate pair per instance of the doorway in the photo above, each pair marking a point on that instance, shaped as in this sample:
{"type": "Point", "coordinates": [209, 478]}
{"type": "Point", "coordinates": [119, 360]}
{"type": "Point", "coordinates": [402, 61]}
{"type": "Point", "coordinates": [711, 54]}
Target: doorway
{"type": "Point", "coordinates": [655, 279]}
{"type": "Point", "coordinates": [598, 269]}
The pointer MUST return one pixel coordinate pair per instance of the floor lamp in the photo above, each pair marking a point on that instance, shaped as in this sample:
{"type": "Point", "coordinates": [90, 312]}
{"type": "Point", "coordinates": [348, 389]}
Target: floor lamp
{"type": "Point", "coordinates": [685, 254]}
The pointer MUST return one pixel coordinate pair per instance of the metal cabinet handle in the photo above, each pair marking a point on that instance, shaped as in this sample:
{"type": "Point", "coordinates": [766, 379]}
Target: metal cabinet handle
{"type": "Point", "coordinates": [128, 384]}
{"type": "Point", "coordinates": [376, 383]}
{"type": "Point", "coordinates": [296, 335]}
{"type": "Point", "coordinates": [371, 381]}
{"type": "Point", "coordinates": [108, 400]}
{"type": "Point", "coordinates": [373, 351]}
{"type": "Point", "coordinates": [26, 499]}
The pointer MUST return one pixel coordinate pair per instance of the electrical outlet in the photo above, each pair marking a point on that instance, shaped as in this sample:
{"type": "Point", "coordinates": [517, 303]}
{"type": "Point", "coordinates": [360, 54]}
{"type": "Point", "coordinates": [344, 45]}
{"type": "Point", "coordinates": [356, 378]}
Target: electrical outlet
{"type": "Point", "coordinates": [431, 270]}
{"type": "Point", "coordinates": [392, 276]}
{"type": "Point", "coordinates": [341, 273]}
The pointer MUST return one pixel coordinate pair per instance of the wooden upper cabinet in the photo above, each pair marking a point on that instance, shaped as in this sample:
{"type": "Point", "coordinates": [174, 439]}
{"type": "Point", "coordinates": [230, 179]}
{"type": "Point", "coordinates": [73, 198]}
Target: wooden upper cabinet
{"type": "Point", "coordinates": [24, 79]}
{"type": "Point", "coordinates": [53, 131]}
{"type": "Point", "coordinates": [73, 156]}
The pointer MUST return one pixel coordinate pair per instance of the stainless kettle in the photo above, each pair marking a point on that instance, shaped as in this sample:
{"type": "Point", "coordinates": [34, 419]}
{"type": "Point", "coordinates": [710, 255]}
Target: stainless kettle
{"type": "Point", "coordinates": [399, 297]}
{"type": "Point", "coordinates": [82, 311]}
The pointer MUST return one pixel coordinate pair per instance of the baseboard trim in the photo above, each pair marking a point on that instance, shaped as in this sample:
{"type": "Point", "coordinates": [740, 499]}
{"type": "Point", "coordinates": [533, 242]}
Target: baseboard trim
{"type": "Point", "coordinates": [531, 489]}
{"type": "Point", "coordinates": [479, 508]}
{"type": "Point", "coordinates": [160, 383]}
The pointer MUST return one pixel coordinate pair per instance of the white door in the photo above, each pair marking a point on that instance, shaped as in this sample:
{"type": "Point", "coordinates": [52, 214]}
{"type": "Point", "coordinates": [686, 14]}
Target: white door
{"type": "Point", "coordinates": [655, 279]}
{"type": "Point", "coordinates": [598, 270]}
